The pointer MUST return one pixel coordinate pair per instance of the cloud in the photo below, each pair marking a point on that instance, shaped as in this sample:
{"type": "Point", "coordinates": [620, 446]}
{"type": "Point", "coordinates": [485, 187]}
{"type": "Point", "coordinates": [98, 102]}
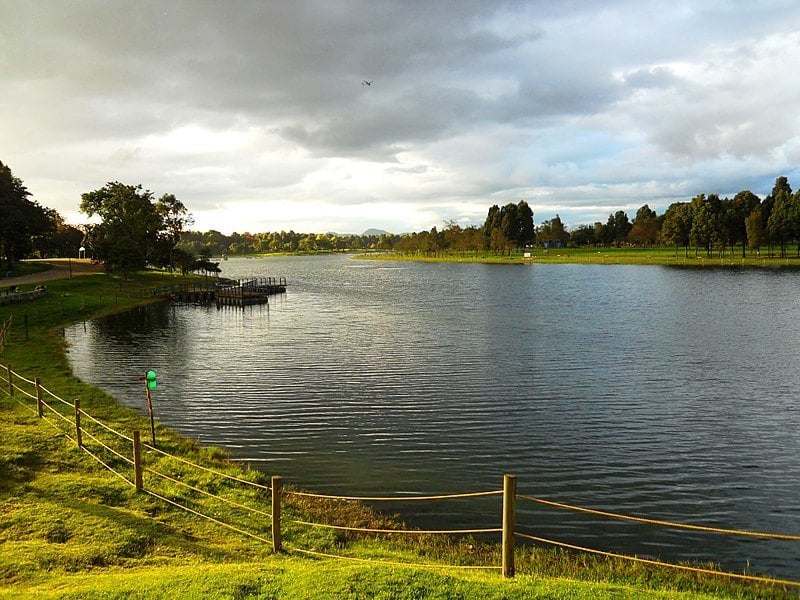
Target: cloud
{"type": "Point", "coordinates": [243, 105]}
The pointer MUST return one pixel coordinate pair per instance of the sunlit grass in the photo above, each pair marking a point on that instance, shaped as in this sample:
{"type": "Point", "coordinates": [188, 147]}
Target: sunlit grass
{"type": "Point", "coordinates": [606, 256]}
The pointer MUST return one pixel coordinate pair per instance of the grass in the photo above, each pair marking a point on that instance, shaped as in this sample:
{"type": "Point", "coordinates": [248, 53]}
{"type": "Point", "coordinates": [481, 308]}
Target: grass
{"type": "Point", "coordinates": [69, 528]}
{"type": "Point", "coordinates": [607, 256]}
{"type": "Point", "coordinates": [19, 269]}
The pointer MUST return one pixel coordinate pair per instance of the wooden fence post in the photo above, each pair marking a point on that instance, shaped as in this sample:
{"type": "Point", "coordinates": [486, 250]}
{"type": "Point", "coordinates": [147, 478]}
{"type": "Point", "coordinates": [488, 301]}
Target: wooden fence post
{"type": "Point", "coordinates": [10, 381]}
{"type": "Point", "coordinates": [137, 460]}
{"type": "Point", "coordinates": [276, 514]}
{"type": "Point", "coordinates": [78, 434]}
{"type": "Point", "coordinates": [509, 499]}
{"type": "Point", "coordinates": [39, 406]}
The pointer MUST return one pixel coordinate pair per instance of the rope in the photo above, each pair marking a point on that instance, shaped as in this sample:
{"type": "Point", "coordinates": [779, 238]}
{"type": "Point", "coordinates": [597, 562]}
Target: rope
{"type": "Point", "coordinates": [26, 407]}
{"type": "Point", "coordinates": [411, 531]}
{"type": "Point", "coordinates": [212, 519]}
{"type": "Point", "coordinates": [209, 494]}
{"type": "Point", "coordinates": [122, 456]}
{"type": "Point", "coordinates": [125, 479]}
{"type": "Point", "coordinates": [57, 413]}
{"type": "Point", "coordinates": [391, 563]}
{"type": "Point", "coordinates": [55, 425]}
{"type": "Point", "coordinates": [394, 499]}
{"type": "Point", "coordinates": [774, 536]}
{"type": "Point", "coordinates": [45, 390]}
{"type": "Point", "coordinates": [186, 462]}
{"type": "Point", "coordinates": [659, 563]}
{"type": "Point", "coordinates": [28, 394]}
{"type": "Point", "coordinates": [104, 426]}
{"type": "Point", "coordinates": [23, 378]}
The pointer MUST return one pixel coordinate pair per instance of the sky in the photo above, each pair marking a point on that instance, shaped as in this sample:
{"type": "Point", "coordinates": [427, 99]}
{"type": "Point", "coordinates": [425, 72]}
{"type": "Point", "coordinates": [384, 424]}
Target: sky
{"type": "Point", "coordinates": [255, 115]}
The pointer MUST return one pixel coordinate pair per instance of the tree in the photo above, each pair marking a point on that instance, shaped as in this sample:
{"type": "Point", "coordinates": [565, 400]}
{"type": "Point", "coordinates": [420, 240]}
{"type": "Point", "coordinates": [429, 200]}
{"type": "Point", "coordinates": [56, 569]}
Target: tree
{"type": "Point", "coordinates": [526, 229]}
{"type": "Point", "coordinates": [174, 219]}
{"type": "Point", "coordinates": [782, 223]}
{"type": "Point", "coordinates": [553, 232]}
{"type": "Point", "coordinates": [677, 226]}
{"type": "Point", "coordinates": [754, 224]}
{"type": "Point", "coordinates": [509, 224]}
{"type": "Point", "coordinates": [492, 220]}
{"type": "Point", "coordinates": [60, 239]}
{"type": "Point", "coordinates": [582, 235]}
{"type": "Point", "coordinates": [497, 241]}
{"type": "Point", "coordinates": [22, 219]}
{"type": "Point", "coordinates": [645, 228]}
{"type": "Point", "coordinates": [616, 229]}
{"type": "Point", "coordinates": [133, 230]}
{"type": "Point", "coordinates": [514, 223]}
{"type": "Point", "coordinates": [739, 210]}
{"type": "Point", "coordinates": [705, 230]}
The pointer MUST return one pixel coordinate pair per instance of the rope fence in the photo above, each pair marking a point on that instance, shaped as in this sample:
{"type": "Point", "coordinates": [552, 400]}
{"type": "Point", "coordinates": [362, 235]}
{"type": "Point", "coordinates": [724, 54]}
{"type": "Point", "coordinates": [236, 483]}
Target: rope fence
{"type": "Point", "coordinates": [118, 461]}
{"type": "Point", "coordinates": [658, 563]}
{"type": "Point", "coordinates": [395, 498]}
{"type": "Point", "coordinates": [772, 536]}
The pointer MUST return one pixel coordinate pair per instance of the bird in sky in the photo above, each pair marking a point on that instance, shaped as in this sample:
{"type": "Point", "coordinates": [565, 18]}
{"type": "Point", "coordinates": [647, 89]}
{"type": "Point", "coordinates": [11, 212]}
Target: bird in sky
{"type": "Point", "coordinates": [365, 82]}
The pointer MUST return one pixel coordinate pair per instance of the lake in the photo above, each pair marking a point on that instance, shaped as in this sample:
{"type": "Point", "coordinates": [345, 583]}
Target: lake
{"type": "Point", "coordinates": [661, 392]}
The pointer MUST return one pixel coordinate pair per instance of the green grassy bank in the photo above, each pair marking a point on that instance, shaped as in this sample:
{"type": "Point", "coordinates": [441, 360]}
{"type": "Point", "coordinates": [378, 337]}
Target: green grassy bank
{"type": "Point", "coordinates": [605, 256]}
{"type": "Point", "coordinates": [70, 528]}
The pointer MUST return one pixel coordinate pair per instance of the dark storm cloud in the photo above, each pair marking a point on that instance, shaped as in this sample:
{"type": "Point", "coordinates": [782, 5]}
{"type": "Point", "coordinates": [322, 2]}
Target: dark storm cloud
{"type": "Point", "coordinates": [579, 103]}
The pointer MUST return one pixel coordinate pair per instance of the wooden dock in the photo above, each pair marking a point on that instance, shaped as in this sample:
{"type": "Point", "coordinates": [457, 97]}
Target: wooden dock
{"type": "Point", "coordinates": [240, 293]}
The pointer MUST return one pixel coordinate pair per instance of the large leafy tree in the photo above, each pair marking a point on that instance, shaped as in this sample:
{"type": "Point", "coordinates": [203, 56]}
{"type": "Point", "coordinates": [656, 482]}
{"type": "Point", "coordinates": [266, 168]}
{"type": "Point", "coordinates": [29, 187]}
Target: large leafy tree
{"type": "Point", "coordinates": [677, 226]}
{"type": "Point", "coordinates": [754, 225]}
{"type": "Point", "coordinates": [706, 232]}
{"type": "Point", "coordinates": [133, 229]}
{"type": "Point", "coordinates": [21, 219]}
{"type": "Point", "coordinates": [646, 227]}
{"type": "Point", "coordinates": [617, 228]}
{"type": "Point", "coordinates": [60, 239]}
{"type": "Point", "coordinates": [553, 231]}
{"type": "Point", "coordinates": [175, 218]}
{"type": "Point", "coordinates": [782, 223]}
{"type": "Point", "coordinates": [510, 226]}
{"type": "Point", "coordinates": [738, 210]}
{"type": "Point", "coordinates": [582, 235]}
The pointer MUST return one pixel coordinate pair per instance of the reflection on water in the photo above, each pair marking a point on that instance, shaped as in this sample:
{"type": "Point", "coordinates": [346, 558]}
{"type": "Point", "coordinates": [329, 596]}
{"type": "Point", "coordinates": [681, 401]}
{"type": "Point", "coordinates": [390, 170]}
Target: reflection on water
{"type": "Point", "coordinates": [662, 392]}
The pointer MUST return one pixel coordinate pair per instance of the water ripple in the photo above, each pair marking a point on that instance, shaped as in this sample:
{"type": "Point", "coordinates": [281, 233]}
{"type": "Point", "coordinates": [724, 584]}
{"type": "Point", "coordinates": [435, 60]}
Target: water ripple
{"type": "Point", "coordinates": [652, 391]}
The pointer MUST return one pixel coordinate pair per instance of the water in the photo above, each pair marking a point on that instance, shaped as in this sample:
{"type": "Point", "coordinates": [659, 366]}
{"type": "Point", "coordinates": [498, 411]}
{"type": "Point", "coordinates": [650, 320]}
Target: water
{"type": "Point", "coordinates": [646, 390]}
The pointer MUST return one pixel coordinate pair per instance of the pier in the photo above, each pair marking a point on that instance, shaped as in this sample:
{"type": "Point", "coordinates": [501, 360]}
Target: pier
{"type": "Point", "coordinates": [240, 293]}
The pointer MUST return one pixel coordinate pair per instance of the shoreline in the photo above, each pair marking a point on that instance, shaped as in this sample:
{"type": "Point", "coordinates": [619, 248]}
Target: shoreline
{"type": "Point", "coordinates": [613, 257]}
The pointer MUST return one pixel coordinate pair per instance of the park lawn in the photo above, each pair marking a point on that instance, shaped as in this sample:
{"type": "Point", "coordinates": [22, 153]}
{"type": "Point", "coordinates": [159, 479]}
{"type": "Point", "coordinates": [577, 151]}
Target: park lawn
{"type": "Point", "coordinates": [668, 256]}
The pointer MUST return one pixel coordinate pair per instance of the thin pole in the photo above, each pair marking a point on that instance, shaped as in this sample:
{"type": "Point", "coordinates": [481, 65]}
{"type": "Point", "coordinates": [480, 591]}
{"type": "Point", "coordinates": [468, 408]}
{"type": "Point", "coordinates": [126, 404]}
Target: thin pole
{"type": "Point", "coordinates": [10, 381]}
{"type": "Point", "coordinates": [39, 406]}
{"type": "Point", "coordinates": [150, 409]}
{"type": "Point", "coordinates": [78, 434]}
{"type": "Point", "coordinates": [137, 460]}
{"type": "Point", "coordinates": [276, 514]}
{"type": "Point", "coordinates": [509, 499]}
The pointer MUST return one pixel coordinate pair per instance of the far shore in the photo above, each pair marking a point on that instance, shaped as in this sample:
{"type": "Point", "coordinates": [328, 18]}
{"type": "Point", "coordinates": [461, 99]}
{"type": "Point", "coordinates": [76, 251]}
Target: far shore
{"type": "Point", "coordinates": [603, 256]}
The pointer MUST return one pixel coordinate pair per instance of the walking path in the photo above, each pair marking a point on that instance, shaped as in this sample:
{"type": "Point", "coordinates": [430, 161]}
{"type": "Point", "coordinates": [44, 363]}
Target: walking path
{"type": "Point", "coordinates": [61, 270]}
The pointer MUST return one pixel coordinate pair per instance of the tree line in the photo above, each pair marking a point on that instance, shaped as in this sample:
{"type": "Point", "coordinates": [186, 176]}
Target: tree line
{"type": "Point", "coordinates": [136, 230]}
{"type": "Point", "coordinates": [707, 223]}
{"type": "Point", "coordinates": [213, 243]}
{"type": "Point", "coordinates": [27, 228]}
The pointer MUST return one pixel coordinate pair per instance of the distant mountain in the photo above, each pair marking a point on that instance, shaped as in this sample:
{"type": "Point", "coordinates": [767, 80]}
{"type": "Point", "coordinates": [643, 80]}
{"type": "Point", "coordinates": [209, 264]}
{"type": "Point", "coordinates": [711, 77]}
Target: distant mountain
{"type": "Point", "coordinates": [375, 232]}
